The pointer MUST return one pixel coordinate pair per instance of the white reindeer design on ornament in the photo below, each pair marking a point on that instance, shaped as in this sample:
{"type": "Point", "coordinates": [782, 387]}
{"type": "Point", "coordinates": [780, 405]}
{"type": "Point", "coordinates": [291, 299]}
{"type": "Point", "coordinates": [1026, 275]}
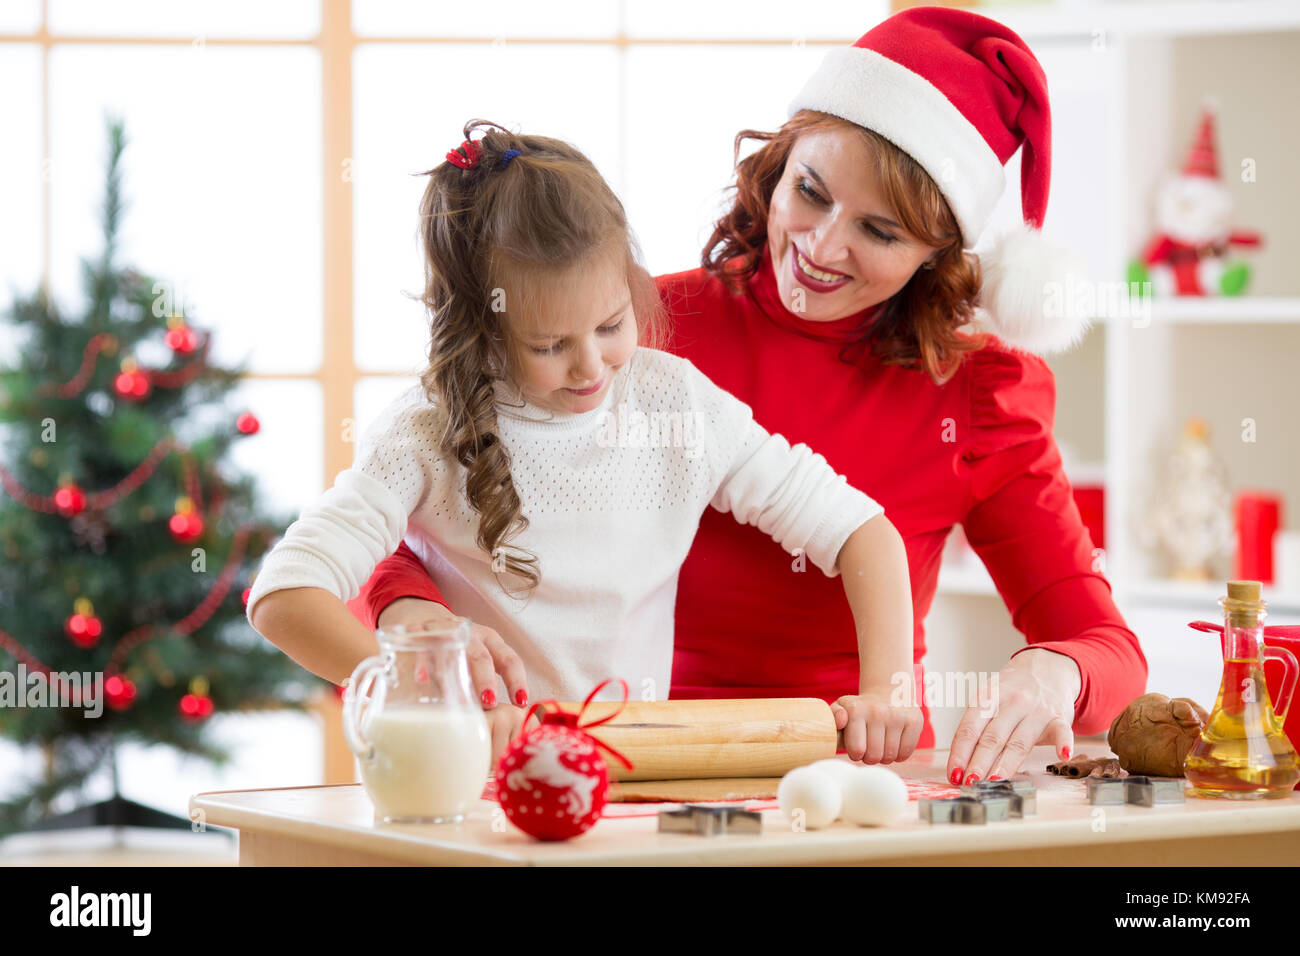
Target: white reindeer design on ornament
{"type": "Point", "coordinates": [543, 766]}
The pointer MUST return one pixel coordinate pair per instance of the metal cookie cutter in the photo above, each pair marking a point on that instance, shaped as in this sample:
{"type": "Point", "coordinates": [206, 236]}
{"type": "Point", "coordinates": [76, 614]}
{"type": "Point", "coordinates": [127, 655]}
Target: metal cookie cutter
{"type": "Point", "coordinates": [1024, 798]}
{"type": "Point", "coordinates": [1138, 791]}
{"type": "Point", "coordinates": [710, 821]}
{"type": "Point", "coordinates": [985, 809]}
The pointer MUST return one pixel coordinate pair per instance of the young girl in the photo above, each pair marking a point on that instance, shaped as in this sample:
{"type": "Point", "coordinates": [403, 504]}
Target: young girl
{"type": "Point", "coordinates": [551, 468]}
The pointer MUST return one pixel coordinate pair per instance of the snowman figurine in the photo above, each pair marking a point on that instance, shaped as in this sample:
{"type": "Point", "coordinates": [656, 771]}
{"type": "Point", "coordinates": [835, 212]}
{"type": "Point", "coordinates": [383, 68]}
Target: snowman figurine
{"type": "Point", "coordinates": [1189, 253]}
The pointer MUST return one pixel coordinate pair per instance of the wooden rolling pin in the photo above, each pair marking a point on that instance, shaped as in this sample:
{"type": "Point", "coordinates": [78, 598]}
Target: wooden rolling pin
{"type": "Point", "coordinates": [685, 739]}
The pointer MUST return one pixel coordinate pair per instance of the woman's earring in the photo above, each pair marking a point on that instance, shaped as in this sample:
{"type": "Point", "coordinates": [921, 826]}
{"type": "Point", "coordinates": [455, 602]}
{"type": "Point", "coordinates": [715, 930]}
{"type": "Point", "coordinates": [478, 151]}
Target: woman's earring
{"type": "Point", "coordinates": [927, 264]}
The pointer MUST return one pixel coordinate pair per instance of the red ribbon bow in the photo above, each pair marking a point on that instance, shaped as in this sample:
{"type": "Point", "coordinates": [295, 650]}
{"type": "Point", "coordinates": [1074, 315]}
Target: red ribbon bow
{"type": "Point", "coordinates": [573, 720]}
{"type": "Point", "coordinates": [466, 155]}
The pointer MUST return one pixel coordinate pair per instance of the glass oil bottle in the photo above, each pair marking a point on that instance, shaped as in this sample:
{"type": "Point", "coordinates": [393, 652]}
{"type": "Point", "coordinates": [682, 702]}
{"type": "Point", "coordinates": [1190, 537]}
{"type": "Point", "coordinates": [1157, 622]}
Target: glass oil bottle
{"type": "Point", "coordinates": [1243, 753]}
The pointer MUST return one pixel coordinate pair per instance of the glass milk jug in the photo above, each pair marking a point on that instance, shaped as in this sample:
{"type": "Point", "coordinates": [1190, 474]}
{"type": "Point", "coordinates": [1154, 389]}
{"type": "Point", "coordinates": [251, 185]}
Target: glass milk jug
{"type": "Point", "coordinates": [411, 719]}
{"type": "Point", "coordinates": [1243, 752]}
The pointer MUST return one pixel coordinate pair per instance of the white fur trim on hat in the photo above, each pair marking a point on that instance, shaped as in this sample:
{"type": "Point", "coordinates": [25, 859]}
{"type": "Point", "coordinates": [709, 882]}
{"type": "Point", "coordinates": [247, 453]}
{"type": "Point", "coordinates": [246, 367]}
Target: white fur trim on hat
{"type": "Point", "coordinates": [873, 91]}
{"type": "Point", "coordinates": [1029, 295]}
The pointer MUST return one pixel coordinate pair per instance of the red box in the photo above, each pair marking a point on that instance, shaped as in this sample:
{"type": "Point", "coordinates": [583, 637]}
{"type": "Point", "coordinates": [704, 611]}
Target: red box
{"type": "Point", "coordinates": [1258, 516]}
{"type": "Point", "coordinates": [1091, 500]}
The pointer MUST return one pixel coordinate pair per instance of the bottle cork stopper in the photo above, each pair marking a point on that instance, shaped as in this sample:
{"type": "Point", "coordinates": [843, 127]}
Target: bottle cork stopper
{"type": "Point", "coordinates": [1244, 591]}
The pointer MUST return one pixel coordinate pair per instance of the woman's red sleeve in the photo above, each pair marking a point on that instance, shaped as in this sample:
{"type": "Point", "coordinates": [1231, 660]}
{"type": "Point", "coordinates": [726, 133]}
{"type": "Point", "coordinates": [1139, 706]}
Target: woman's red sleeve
{"type": "Point", "coordinates": [399, 575]}
{"type": "Point", "coordinates": [1025, 526]}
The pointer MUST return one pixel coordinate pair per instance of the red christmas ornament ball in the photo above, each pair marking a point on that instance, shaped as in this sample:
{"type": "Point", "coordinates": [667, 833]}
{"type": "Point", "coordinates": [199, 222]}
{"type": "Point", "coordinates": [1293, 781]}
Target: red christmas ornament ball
{"type": "Point", "coordinates": [185, 526]}
{"type": "Point", "coordinates": [119, 692]}
{"type": "Point", "coordinates": [552, 781]}
{"type": "Point", "coordinates": [181, 339]}
{"type": "Point", "coordinates": [247, 424]}
{"type": "Point", "coordinates": [70, 500]}
{"type": "Point", "coordinates": [84, 629]}
{"type": "Point", "coordinates": [132, 385]}
{"type": "Point", "coordinates": [195, 707]}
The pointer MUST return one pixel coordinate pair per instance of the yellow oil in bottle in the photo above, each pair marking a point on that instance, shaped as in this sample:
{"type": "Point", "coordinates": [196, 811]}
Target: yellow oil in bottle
{"type": "Point", "coordinates": [1243, 753]}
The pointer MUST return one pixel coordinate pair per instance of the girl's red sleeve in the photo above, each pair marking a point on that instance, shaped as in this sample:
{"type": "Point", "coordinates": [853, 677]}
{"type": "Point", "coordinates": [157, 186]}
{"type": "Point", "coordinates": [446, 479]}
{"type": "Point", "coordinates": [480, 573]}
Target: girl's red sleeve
{"type": "Point", "coordinates": [1025, 526]}
{"type": "Point", "coordinates": [399, 575]}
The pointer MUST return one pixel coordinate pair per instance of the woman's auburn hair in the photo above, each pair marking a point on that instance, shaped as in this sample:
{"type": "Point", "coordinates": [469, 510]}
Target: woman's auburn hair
{"type": "Point", "coordinates": [496, 239]}
{"type": "Point", "coordinates": [918, 326]}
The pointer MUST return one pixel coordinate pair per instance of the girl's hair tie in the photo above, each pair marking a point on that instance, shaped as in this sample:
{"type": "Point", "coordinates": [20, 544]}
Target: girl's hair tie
{"type": "Point", "coordinates": [466, 155]}
{"type": "Point", "coordinates": [508, 155]}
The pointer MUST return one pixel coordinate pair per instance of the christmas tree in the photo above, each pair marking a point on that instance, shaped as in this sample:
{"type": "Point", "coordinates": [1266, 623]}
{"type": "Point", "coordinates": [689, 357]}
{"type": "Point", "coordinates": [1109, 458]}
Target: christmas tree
{"type": "Point", "coordinates": [128, 542]}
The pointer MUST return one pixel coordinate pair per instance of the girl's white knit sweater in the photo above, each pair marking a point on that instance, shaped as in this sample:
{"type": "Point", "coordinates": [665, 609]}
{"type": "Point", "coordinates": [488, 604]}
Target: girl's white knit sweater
{"type": "Point", "coordinates": [613, 498]}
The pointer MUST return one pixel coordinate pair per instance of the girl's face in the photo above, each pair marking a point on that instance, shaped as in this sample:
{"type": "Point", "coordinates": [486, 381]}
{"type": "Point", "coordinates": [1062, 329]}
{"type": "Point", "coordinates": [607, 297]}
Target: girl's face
{"type": "Point", "coordinates": [835, 244]}
{"type": "Point", "coordinates": [585, 330]}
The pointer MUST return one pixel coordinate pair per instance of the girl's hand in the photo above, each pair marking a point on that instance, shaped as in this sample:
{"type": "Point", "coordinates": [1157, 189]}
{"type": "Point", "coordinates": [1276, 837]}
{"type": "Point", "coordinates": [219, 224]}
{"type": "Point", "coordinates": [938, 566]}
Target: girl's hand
{"type": "Point", "coordinates": [505, 724]}
{"type": "Point", "coordinates": [1036, 692]}
{"type": "Point", "coordinates": [487, 653]}
{"type": "Point", "coordinates": [877, 730]}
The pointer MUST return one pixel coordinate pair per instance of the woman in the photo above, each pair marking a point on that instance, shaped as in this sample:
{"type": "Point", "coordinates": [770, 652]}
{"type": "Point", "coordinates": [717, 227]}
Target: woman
{"type": "Point", "coordinates": [836, 298]}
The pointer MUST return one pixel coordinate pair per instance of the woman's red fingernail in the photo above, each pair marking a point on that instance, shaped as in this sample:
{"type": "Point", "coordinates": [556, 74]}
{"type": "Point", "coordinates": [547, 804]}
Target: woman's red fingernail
{"type": "Point", "coordinates": [972, 778]}
{"type": "Point", "coordinates": [996, 776]}
{"type": "Point", "coordinates": [1065, 753]}
{"type": "Point", "coordinates": [955, 776]}
{"type": "Point", "coordinates": [489, 698]}
{"type": "Point", "coordinates": [521, 698]}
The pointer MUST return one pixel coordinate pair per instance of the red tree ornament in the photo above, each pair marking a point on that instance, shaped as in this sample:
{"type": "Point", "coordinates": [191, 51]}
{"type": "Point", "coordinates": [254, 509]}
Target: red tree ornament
{"type": "Point", "coordinates": [196, 705]}
{"type": "Point", "coordinates": [83, 628]}
{"type": "Point", "coordinates": [247, 424]}
{"type": "Point", "coordinates": [70, 500]}
{"type": "Point", "coordinates": [552, 781]}
{"type": "Point", "coordinates": [131, 383]}
{"type": "Point", "coordinates": [194, 708]}
{"type": "Point", "coordinates": [180, 338]}
{"type": "Point", "coordinates": [185, 524]}
{"type": "Point", "coordinates": [119, 692]}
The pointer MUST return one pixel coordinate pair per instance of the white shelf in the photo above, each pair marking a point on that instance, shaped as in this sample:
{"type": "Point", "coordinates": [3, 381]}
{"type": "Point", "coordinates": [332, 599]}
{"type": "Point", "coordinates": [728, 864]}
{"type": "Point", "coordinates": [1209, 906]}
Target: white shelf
{"type": "Point", "coordinates": [1210, 310]}
{"type": "Point", "coordinates": [1087, 18]}
{"type": "Point", "coordinates": [1199, 598]}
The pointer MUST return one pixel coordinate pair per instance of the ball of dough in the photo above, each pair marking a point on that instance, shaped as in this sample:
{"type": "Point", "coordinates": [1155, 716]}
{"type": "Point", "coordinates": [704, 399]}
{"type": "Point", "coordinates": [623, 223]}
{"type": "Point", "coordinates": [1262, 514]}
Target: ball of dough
{"type": "Point", "coordinates": [873, 796]}
{"type": "Point", "coordinates": [1153, 734]}
{"type": "Point", "coordinates": [839, 769]}
{"type": "Point", "coordinates": [812, 790]}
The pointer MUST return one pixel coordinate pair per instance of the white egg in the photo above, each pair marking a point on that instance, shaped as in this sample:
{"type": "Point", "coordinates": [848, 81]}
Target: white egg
{"type": "Point", "coordinates": [812, 791]}
{"type": "Point", "coordinates": [872, 796]}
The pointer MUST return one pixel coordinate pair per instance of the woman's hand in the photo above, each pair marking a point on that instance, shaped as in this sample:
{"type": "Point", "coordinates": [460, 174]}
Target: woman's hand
{"type": "Point", "coordinates": [487, 653]}
{"type": "Point", "coordinates": [876, 728]}
{"type": "Point", "coordinates": [1036, 693]}
{"type": "Point", "coordinates": [505, 724]}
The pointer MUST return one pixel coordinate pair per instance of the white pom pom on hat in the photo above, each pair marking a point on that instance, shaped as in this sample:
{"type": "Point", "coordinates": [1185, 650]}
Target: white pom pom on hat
{"type": "Point", "coordinates": [1028, 292]}
{"type": "Point", "coordinates": [960, 93]}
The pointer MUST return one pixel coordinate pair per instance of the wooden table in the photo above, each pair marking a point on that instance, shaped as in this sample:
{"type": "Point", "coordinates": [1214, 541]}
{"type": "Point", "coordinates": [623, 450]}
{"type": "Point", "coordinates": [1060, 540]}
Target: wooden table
{"type": "Point", "coordinates": [335, 825]}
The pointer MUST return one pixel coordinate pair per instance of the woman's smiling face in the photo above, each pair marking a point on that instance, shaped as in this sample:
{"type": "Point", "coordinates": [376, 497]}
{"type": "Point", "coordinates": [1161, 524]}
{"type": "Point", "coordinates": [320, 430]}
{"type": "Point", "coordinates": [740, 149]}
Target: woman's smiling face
{"type": "Point", "coordinates": [836, 245]}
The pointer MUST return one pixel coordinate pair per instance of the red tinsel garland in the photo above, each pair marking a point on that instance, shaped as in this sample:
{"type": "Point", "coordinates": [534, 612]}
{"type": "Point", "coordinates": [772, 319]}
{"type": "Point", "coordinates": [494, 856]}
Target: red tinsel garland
{"type": "Point", "coordinates": [185, 626]}
{"type": "Point", "coordinates": [196, 618]}
{"type": "Point", "coordinates": [104, 341]}
{"type": "Point", "coordinates": [101, 500]}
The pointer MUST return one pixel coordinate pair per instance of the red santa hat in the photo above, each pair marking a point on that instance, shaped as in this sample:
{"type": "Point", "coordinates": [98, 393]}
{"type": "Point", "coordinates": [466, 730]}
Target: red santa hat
{"type": "Point", "coordinates": [1203, 157]}
{"type": "Point", "coordinates": [960, 93]}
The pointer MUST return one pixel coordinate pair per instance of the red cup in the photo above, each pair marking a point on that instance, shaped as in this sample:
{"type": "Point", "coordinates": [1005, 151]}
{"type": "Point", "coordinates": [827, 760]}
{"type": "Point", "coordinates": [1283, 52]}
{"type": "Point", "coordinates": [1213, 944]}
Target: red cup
{"type": "Point", "coordinates": [1273, 672]}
